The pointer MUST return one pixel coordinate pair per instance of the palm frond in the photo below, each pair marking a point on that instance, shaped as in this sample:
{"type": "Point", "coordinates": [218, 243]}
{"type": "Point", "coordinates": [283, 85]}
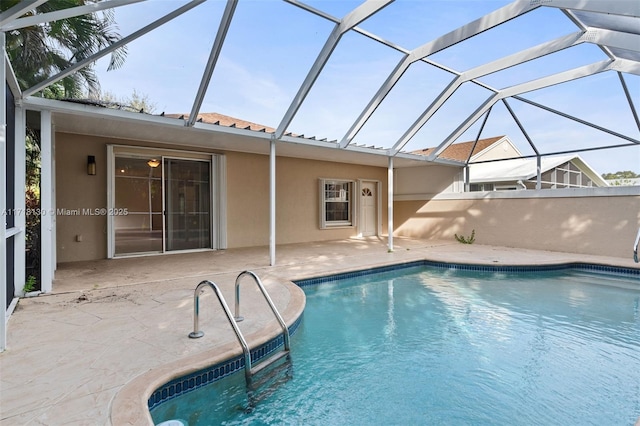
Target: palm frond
{"type": "Point", "coordinates": [40, 51]}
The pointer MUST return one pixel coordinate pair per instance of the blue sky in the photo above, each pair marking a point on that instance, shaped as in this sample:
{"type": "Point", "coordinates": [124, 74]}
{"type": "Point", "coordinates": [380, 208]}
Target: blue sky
{"type": "Point", "coordinates": [271, 46]}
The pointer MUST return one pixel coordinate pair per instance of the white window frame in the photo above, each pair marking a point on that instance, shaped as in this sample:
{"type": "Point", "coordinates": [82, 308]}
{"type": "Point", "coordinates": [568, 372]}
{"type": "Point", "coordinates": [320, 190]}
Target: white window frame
{"type": "Point", "coordinates": [348, 197]}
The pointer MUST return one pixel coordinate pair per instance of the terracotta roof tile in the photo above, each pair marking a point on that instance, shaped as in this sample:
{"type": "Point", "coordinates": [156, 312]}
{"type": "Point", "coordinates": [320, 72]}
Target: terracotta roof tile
{"type": "Point", "coordinates": [225, 120]}
{"type": "Point", "coordinates": [460, 151]}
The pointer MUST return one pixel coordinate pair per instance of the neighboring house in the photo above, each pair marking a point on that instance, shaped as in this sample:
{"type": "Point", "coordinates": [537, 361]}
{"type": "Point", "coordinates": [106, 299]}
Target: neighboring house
{"type": "Point", "coordinates": [494, 165]}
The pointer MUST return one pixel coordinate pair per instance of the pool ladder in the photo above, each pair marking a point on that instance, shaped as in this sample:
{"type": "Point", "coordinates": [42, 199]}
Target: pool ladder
{"type": "Point", "coordinates": [635, 247]}
{"type": "Point", "coordinates": [249, 370]}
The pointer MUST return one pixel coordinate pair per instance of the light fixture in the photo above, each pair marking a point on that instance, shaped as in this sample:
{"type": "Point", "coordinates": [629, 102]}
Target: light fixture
{"type": "Point", "coordinates": [153, 163]}
{"type": "Point", "coordinates": [91, 165]}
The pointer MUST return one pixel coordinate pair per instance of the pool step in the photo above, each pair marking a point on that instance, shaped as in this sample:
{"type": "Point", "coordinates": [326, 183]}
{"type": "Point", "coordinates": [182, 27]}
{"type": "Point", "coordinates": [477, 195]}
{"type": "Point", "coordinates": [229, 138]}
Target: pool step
{"type": "Point", "coordinates": [272, 373]}
{"type": "Point", "coordinates": [267, 362]}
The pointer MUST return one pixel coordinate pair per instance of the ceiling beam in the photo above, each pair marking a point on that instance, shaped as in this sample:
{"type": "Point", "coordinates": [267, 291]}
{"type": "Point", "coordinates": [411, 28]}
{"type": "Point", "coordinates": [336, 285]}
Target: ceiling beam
{"type": "Point", "coordinates": [493, 19]}
{"type": "Point", "coordinates": [10, 75]}
{"type": "Point", "coordinates": [519, 89]}
{"type": "Point", "coordinates": [577, 120]}
{"type": "Point", "coordinates": [223, 28]}
{"type": "Point", "coordinates": [486, 105]}
{"type": "Point", "coordinates": [352, 19]}
{"type": "Point", "coordinates": [632, 107]}
{"type": "Point", "coordinates": [43, 18]}
{"type": "Point", "coordinates": [18, 10]}
{"type": "Point", "coordinates": [610, 7]}
{"type": "Point", "coordinates": [553, 79]}
{"type": "Point", "coordinates": [489, 68]}
{"type": "Point", "coordinates": [617, 39]}
{"type": "Point", "coordinates": [475, 142]}
{"type": "Point", "coordinates": [111, 48]}
{"type": "Point", "coordinates": [520, 126]}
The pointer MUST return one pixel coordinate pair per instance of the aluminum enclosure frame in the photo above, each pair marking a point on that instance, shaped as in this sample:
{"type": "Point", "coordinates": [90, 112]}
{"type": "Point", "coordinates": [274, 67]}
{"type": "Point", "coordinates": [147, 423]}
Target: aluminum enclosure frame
{"type": "Point", "coordinates": [595, 21]}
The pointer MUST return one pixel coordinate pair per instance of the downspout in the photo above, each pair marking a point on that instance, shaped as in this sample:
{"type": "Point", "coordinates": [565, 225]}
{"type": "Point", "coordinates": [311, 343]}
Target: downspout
{"type": "Point", "coordinates": [390, 203]}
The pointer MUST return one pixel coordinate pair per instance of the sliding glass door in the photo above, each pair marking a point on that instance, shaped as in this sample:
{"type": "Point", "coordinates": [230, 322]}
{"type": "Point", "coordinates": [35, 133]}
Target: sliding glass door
{"type": "Point", "coordinates": [162, 204]}
{"type": "Point", "coordinates": [138, 196]}
{"type": "Point", "coordinates": [188, 204]}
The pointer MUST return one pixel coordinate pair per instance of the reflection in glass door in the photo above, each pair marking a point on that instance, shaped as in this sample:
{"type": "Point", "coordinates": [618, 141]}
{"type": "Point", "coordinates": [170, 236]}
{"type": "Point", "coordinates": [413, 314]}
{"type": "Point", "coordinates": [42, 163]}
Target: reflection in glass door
{"type": "Point", "coordinates": [138, 189]}
{"type": "Point", "coordinates": [168, 204]}
{"type": "Point", "coordinates": [188, 204]}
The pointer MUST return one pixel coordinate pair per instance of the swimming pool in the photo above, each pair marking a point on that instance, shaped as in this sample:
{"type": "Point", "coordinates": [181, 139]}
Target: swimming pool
{"type": "Point", "coordinates": [441, 345]}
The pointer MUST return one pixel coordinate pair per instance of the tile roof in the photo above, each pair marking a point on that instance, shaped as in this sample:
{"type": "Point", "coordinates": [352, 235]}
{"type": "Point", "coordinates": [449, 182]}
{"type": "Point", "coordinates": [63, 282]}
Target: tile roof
{"type": "Point", "coordinates": [460, 151]}
{"type": "Point", "coordinates": [228, 121]}
{"type": "Point", "coordinates": [225, 120]}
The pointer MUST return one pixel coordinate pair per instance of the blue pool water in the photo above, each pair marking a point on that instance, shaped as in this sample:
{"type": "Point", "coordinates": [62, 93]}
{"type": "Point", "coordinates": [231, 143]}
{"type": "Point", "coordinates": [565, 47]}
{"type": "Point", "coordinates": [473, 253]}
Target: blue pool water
{"type": "Point", "coordinates": [441, 346]}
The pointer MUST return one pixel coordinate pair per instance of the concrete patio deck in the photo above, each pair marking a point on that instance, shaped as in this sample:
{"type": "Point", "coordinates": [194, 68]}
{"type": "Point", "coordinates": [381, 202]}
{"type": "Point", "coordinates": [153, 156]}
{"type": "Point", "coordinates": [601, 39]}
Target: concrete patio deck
{"type": "Point", "coordinates": [110, 323]}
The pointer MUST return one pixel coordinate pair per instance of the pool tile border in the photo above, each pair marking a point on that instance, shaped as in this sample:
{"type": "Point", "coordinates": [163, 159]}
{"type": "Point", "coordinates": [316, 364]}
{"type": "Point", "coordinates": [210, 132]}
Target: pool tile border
{"type": "Point", "coordinates": [576, 266]}
{"type": "Point", "coordinates": [198, 379]}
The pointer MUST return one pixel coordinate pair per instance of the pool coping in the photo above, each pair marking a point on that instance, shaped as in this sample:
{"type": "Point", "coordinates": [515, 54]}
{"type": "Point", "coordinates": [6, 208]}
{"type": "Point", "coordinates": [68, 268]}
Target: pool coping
{"type": "Point", "coordinates": [131, 405]}
{"type": "Point", "coordinates": [480, 267]}
{"type": "Point", "coordinates": [190, 382]}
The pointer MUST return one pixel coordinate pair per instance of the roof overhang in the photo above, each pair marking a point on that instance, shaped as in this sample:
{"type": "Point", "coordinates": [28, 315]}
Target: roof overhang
{"type": "Point", "coordinates": [611, 26]}
{"type": "Point", "coordinates": [75, 118]}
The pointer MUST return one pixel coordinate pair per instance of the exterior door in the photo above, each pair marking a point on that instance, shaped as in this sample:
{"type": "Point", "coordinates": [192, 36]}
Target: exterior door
{"type": "Point", "coordinates": [165, 204]}
{"type": "Point", "coordinates": [368, 206]}
{"type": "Point", "coordinates": [188, 204]}
{"type": "Point", "coordinates": [138, 192]}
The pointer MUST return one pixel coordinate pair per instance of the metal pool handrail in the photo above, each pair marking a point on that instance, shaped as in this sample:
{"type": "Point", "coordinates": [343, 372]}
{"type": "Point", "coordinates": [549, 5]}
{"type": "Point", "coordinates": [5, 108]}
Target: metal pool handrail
{"type": "Point", "coordinates": [197, 333]}
{"type": "Point", "coordinates": [635, 247]}
{"type": "Point", "coordinates": [238, 317]}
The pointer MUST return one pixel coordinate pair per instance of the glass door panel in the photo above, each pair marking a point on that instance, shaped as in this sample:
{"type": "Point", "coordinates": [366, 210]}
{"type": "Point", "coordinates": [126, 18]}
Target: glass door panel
{"type": "Point", "coordinates": [188, 204]}
{"type": "Point", "coordinates": [138, 189]}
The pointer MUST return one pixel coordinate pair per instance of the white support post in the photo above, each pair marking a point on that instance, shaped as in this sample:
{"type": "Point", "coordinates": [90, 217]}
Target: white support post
{"type": "Point", "coordinates": [19, 240]}
{"type": "Point", "coordinates": [272, 202]}
{"type": "Point", "coordinates": [467, 179]}
{"type": "Point", "coordinates": [3, 196]}
{"type": "Point", "coordinates": [47, 243]}
{"type": "Point", "coordinates": [538, 172]}
{"type": "Point", "coordinates": [54, 204]}
{"type": "Point", "coordinates": [110, 202]}
{"type": "Point", "coordinates": [390, 203]}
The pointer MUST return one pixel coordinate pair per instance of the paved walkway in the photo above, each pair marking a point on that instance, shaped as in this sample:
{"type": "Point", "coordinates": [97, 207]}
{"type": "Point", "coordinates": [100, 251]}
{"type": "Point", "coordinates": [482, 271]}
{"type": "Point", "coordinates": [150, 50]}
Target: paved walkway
{"type": "Point", "coordinates": [109, 324]}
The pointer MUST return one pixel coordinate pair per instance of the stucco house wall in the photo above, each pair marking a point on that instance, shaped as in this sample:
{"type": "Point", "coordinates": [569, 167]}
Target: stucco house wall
{"type": "Point", "coordinates": [591, 221]}
{"type": "Point", "coordinates": [598, 221]}
{"type": "Point", "coordinates": [297, 198]}
{"type": "Point", "coordinates": [247, 188]}
{"type": "Point", "coordinates": [432, 179]}
{"type": "Point", "coordinates": [77, 190]}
